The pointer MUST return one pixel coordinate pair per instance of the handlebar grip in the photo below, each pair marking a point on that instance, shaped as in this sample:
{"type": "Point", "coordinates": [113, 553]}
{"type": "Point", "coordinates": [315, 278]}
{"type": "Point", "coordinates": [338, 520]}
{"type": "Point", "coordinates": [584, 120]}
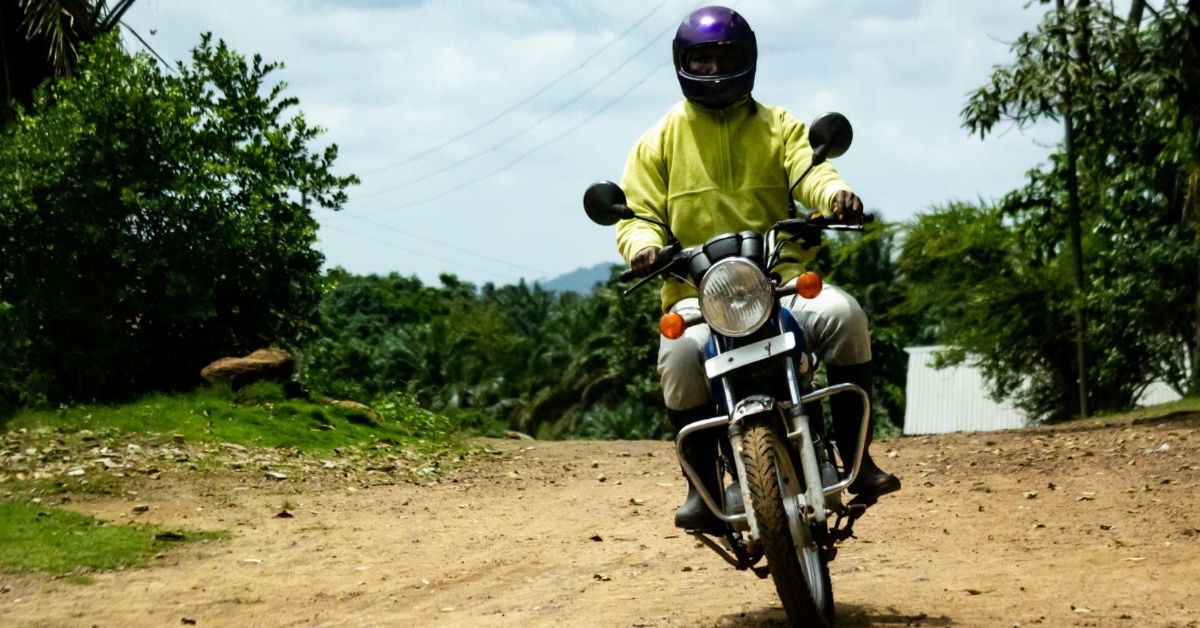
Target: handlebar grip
{"type": "Point", "coordinates": [868, 218]}
{"type": "Point", "coordinates": [666, 255]}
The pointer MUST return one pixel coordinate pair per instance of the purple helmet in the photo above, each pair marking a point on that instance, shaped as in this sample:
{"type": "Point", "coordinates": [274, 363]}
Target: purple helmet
{"type": "Point", "coordinates": [709, 28]}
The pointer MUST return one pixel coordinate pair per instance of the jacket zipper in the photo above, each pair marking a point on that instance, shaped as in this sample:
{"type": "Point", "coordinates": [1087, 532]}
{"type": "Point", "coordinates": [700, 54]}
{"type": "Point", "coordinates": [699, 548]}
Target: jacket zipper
{"type": "Point", "coordinates": [726, 158]}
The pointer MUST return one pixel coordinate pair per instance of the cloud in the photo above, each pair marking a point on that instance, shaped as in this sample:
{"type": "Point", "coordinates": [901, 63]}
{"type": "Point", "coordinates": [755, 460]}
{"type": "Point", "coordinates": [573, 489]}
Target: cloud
{"type": "Point", "coordinates": [395, 79]}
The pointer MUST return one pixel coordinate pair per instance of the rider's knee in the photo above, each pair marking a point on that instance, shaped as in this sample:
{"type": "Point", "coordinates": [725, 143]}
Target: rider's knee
{"type": "Point", "coordinates": [836, 326]}
{"type": "Point", "coordinates": [681, 368]}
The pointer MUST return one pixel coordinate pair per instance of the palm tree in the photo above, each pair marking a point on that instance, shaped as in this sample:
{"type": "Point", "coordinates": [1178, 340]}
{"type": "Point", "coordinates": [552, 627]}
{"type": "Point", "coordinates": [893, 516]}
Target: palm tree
{"type": "Point", "coordinates": [40, 39]}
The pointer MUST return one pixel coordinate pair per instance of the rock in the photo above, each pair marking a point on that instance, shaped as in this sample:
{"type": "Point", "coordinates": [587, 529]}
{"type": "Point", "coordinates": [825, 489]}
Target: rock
{"type": "Point", "coordinates": [515, 435]}
{"type": "Point", "coordinates": [140, 508]}
{"type": "Point", "coordinates": [275, 475]}
{"type": "Point", "coordinates": [264, 364]}
{"type": "Point", "coordinates": [369, 413]}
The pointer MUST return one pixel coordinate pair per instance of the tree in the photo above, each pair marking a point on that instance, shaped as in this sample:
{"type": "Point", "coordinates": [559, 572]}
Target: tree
{"type": "Point", "coordinates": [1000, 301]}
{"type": "Point", "coordinates": [40, 39]}
{"type": "Point", "coordinates": [550, 364]}
{"type": "Point", "coordinates": [1052, 79]}
{"type": "Point", "coordinates": [1125, 87]}
{"type": "Point", "coordinates": [865, 266]}
{"type": "Point", "coordinates": [152, 223]}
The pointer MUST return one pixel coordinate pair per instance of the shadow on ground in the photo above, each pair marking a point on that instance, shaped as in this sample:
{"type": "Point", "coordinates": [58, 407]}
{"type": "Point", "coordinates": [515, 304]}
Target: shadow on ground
{"type": "Point", "coordinates": [848, 616]}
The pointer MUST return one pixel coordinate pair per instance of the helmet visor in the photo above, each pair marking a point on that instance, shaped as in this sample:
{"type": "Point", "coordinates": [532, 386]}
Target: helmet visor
{"type": "Point", "coordinates": [715, 60]}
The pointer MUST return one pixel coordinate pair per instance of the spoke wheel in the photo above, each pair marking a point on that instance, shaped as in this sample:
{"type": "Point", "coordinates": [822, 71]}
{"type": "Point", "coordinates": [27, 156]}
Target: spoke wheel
{"type": "Point", "coordinates": [800, 573]}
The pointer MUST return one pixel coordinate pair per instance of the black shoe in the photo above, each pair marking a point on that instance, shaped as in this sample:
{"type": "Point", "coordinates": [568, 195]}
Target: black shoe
{"type": "Point", "coordinates": [847, 411]}
{"type": "Point", "coordinates": [695, 515]}
{"type": "Point", "coordinates": [700, 451]}
{"type": "Point", "coordinates": [873, 482]}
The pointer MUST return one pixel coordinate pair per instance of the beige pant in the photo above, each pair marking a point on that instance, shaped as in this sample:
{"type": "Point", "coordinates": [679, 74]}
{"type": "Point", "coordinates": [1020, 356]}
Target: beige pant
{"type": "Point", "coordinates": [834, 326]}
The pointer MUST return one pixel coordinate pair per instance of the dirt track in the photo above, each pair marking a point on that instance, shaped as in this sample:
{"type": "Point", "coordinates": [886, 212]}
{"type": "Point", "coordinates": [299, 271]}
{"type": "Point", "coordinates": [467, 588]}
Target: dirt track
{"type": "Point", "coordinates": [1091, 525]}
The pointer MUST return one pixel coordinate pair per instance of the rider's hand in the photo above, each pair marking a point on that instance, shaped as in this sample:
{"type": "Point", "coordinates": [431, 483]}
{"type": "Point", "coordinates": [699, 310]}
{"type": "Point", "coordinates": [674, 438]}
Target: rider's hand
{"type": "Point", "coordinates": [644, 262]}
{"type": "Point", "coordinates": [846, 207]}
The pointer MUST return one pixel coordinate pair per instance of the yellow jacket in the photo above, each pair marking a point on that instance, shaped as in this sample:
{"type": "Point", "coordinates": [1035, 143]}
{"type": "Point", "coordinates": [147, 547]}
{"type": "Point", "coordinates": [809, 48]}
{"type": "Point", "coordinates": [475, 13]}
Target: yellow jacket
{"type": "Point", "coordinates": [706, 172]}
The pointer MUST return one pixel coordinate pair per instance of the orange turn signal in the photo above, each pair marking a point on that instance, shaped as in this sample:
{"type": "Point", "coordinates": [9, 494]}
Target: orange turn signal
{"type": "Point", "coordinates": [672, 326]}
{"type": "Point", "coordinates": [809, 285]}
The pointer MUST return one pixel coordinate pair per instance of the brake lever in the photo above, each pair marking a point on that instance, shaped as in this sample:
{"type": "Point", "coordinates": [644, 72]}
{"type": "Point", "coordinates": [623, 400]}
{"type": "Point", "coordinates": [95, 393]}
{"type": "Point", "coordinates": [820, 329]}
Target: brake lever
{"type": "Point", "coordinates": [640, 283]}
{"type": "Point", "coordinates": [672, 252]}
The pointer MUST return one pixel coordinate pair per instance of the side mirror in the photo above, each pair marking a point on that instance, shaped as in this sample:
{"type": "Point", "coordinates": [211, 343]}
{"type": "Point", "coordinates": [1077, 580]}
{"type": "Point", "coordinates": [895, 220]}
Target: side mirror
{"type": "Point", "coordinates": [604, 202]}
{"type": "Point", "coordinates": [830, 136]}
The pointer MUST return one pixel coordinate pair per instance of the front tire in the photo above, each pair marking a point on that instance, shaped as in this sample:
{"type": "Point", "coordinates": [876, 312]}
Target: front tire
{"type": "Point", "coordinates": [801, 575]}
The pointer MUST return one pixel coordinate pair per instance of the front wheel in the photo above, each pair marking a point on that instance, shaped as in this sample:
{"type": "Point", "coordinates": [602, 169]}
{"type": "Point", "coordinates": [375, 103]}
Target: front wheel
{"type": "Point", "coordinates": [801, 575]}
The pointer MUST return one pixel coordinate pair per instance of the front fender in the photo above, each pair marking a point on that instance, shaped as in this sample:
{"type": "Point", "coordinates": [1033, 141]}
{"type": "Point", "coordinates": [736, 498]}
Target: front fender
{"type": "Point", "coordinates": [750, 406]}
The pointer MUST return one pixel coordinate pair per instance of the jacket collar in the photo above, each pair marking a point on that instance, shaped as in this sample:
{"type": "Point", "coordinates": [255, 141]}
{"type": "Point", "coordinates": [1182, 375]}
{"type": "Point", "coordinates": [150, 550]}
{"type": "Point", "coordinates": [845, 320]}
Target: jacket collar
{"type": "Point", "coordinates": [745, 102]}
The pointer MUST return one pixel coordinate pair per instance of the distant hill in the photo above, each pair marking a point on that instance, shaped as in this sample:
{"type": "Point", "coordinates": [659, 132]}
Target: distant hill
{"type": "Point", "coordinates": [581, 280]}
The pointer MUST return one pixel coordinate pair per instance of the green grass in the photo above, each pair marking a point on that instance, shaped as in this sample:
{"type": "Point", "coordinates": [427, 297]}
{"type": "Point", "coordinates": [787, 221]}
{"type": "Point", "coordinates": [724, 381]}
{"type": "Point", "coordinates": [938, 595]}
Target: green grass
{"type": "Point", "coordinates": [37, 538]}
{"type": "Point", "coordinates": [260, 417]}
{"type": "Point", "coordinates": [1187, 404]}
{"type": "Point", "coordinates": [1150, 412]}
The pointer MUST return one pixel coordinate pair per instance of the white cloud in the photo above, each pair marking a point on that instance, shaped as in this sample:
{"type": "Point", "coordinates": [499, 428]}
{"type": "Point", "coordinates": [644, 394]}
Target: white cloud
{"type": "Point", "coordinates": [390, 80]}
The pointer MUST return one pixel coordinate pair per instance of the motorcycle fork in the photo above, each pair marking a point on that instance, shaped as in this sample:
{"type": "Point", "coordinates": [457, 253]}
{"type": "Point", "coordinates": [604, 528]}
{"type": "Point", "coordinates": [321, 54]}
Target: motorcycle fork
{"type": "Point", "coordinates": [813, 500]}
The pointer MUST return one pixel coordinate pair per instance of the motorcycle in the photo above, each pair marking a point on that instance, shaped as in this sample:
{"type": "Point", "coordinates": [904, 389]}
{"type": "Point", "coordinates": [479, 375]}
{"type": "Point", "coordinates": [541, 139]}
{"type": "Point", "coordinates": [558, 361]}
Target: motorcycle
{"type": "Point", "coordinates": [775, 445]}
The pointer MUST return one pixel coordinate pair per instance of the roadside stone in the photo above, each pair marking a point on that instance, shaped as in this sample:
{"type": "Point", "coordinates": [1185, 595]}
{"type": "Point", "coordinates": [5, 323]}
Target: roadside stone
{"type": "Point", "coordinates": [264, 364]}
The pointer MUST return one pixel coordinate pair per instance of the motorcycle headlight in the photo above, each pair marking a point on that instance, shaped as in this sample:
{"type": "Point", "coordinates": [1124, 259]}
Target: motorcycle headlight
{"type": "Point", "coordinates": [736, 297]}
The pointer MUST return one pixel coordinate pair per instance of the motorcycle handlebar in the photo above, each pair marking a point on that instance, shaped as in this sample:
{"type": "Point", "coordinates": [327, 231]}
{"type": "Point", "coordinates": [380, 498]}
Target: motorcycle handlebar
{"type": "Point", "coordinates": [666, 255]}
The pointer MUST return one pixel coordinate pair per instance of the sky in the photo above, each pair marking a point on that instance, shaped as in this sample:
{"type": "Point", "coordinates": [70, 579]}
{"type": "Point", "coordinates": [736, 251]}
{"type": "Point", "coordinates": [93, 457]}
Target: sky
{"type": "Point", "coordinates": [476, 125]}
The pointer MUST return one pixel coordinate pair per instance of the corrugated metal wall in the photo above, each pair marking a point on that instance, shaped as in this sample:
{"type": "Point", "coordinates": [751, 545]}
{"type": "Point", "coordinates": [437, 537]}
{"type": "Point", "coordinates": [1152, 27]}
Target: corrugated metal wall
{"type": "Point", "coordinates": [1157, 393]}
{"type": "Point", "coordinates": [955, 399]}
{"type": "Point", "coordinates": [952, 399]}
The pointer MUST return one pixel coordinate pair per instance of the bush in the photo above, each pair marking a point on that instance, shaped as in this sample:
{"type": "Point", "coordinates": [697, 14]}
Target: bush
{"type": "Point", "coordinates": [152, 223]}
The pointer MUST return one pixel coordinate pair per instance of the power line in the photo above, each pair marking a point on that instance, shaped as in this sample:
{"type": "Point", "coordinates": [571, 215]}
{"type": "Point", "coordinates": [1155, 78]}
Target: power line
{"type": "Point", "coordinates": [154, 52]}
{"type": "Point", "coordinates": [455, 263]}
{"type": "Point", "coordinates": [527, 129]}
{"type": "Point", "coordinates": [519, 157]}
{"type": "Point", "coordinates": [536, 123]}
{"type": "Point", "coordinates": [526, 100]}
{"type": "Point", "coordinates": [442, 244]}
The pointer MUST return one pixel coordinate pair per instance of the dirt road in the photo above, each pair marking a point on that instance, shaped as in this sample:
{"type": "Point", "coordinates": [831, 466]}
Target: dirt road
{"type": "Point", "coordinates": [1094, 524]}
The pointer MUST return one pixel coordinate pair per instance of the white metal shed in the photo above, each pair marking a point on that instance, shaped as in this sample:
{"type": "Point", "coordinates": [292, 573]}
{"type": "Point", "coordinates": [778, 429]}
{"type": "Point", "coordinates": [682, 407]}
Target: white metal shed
{"type": "Point", "coordinates": [955, 399]}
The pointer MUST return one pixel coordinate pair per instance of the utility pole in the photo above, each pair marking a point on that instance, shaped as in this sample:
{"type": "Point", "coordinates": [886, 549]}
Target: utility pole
{"type": "Point", "coordinates": [1073, 212]}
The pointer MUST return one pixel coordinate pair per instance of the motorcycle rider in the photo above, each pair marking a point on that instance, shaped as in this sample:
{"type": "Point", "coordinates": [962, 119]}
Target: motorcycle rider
{"type": "Point", "coordinates": [721, 162]}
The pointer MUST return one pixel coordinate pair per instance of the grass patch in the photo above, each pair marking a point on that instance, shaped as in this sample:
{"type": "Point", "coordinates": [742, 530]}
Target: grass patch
{"type": "Point", "coordinates": [1187, 404]}
{"type": "Point", "coordinates": [1184, 405]}
{"type": "Point", "coordinates": [37, 538]}
{"type": "Point", "coordinates": [259, 416]}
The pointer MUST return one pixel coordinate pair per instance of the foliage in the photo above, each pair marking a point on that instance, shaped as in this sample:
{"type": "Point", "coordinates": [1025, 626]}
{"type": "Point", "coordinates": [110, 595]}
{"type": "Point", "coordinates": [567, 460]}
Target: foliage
{"type": "Point", "coordinates": [864, 265]}
{"type": "Point", "coordinates": [995, 300]}
{"type": "Point", "coordinates": [520, 356]}
{"type": "Point", "coordinates": [151, 223]}
{"type": "Point", "coordinates": [549, 364]}
{"type": "Point", "coordinates": [213, 415]}
{"type": "Point", "coordinates": [44, 539]}
{"type": "Point", "coordinates": [40, 39]}
{"type": "Point", "coordinates": [626, 420]}
{"type": "Point", "coordinates": [998, 279]}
